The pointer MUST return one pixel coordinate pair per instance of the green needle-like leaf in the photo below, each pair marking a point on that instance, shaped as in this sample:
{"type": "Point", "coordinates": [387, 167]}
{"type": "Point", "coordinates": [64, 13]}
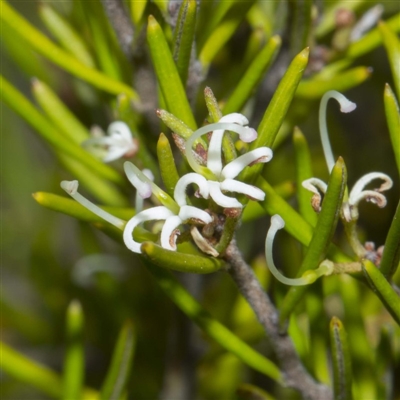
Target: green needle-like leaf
{"type": "Point", "coordinates": [178, 261]}
{"type": "Point", "coordinates": [74, 362]}
{"type": "Point", "coordinates": [218, 332]}
{"type": "Point", "coordinates": [65, 34]}
{"type": "Point", "coordinates": [58, 112]}
{"type": "Point", "coordinates": [48, 49]}
{"type": "Point", "coordinates": [167, 74]}
{"type": "Point", "coordinates": [393, 121]}
{"type": "Point", "coordinates": [392, 45]}
{"type": "Point", "coordinates": [231, 14]}
{"type": "Point", "coordinates": [184, 37]}
{"type": "Point", "coordinates": [118, 373]}
{"type": "Point", "coordinates": [34, 374]}
{"type": "Point", "coordinates": [391, 254]}
{"type": "Point", "coordinates": [166, 160]}
{"type": "Point", "coordinates": [382, 288]}
{"type": "Point", "coordinates": [303, 172]}
{"type": "Point", "coordinates": [26, 110]}
{"type": "Point", "coordinates": [137, 10]}
{"type": "Point", "coordinates": [279, 105]}
{"type": "Point", "coordinates": [214, 115]}
{"type": "Point", "coordinates": [342, 375]}
{"type": "Point", "coordinates": [252, 76]}
{"type": "Point", "coordinates": [250, 392]}
{"type": "Point", "coordinates": [322, 236]}
{"type": "Point", "coordinates": [315, 88]}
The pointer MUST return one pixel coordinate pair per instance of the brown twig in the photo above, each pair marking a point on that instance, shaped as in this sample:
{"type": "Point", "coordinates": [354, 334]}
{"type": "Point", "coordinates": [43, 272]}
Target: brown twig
{"type": "Point", "coordinates": [294, 372]}
{"type": "Point", "coordinates": [121, 24]}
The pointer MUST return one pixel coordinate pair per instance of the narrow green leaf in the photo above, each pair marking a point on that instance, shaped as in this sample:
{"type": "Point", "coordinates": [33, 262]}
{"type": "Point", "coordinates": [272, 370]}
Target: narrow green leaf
{"type": "Point", "coordinates": [166, 160]}
{"type": "Point", "coordinates": [48, 49]}
{"type": "Point", "coordinates": [34, 374]}
{"type": "Point", "coordinates": [382, 288]}
{"type": "Point", "coordinates": [74, 362]}
{"type": "Point", "coordinates": [393, 121]}
{"type": "Point", "coordinates": [315, 88]}
{"type": "Point", "coordinates": [57, 111]}
{"type": "Point", "coordinates": [218, 332]}
{"type": "Point", "coordinates": [279, 105]}
{"type": "Point", "coordinates": [218, 13]}
{"type": "Point", "coordinates": [391, 254]}
{"type": "Point", "coordinates": [14, 99]}
{"type": "Point", "coordinates": [392, 45]}
{"type": "Point", "coordinates": [250, 392]}
{"type": "Point", "coordinates": [303, 172]}
{"type": "Point", "coordinates": [137, 10]}
{"type": "Point", "coordinates": [121, 363]}
{"type": "Point", "coordinates": [167, 74]}
{"type": "Point", "coordinates": [184, 37]}
{"type": "Point", "coordinates": [105, 49]}
{"type": "Point", "coordinates": [71, 207]}
{"type": "Point", "coordinates": [215, 114]}
{"type": "Point", "coordinates": [178, 261]}
{"type": "Point", "coordinates": [65, 34]}
{"type": "Point", "coordinates": [175, 124]}
{"type": "Point", "coordinates": [300, 23]}
{"type": "Point", "coordinates": [252, 76]}
{"type": "Point", "coordinates": [342, 375]}
{"type": "Point", "coordinates": [324, 230]}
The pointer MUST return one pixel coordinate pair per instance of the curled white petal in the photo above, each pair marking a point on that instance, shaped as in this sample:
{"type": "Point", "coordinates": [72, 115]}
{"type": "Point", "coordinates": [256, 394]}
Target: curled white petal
{"type": "Point", "coordinates": [169, 234]}
{"type": "Point", "coordinates": [190, 212]}
{"type": "Point", "coordinates": [220, 198]}
{"type": "Point", "coordinates": [155, 213]}
{"type": "Point", "coordinates": [358, 187]}
{"type": "Point", "coordinates": [184, 181]}
{"type": "Point", "coordinates": [315, 185]}
{"type": "Point", "coordinates": [233, 169]}
{"type": "Point", "coordinates": [278, 223]}
{"type": "Point", "coordinates": [369, 195]}
{"type": "Point", "coordinates": [253, 192]}
{"type": "Point", "coordinates": [71, 187]}
{"type": "Point", "coordinates": [346, 106]}
{"type": "Point", "coordinates": [138, 179]}
{"type": "Point", "coordinates": [214, 156]}
{"type": "Point", "coordinates": [131, 170]}
{"type": "Point", "coordinates": [203, 130]}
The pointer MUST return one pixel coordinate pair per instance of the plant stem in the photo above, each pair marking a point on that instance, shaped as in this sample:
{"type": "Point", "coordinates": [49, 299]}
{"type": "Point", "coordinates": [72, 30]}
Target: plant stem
{"type": "Point", "coordinates": [295, 375]}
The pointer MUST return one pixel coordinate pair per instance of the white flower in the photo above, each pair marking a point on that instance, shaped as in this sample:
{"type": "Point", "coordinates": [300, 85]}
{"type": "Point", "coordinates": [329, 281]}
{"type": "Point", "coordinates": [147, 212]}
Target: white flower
{"type": "Point", "coordinates": [118, 143]}
{"type": "Point", "coordinates": [174, 214]}
{"type": "Point", "coordinates": [310, 276]}
{"type": "Point", "coordinates": [315, 185]}
{"type": "Point", "coordinates": [221, 178]}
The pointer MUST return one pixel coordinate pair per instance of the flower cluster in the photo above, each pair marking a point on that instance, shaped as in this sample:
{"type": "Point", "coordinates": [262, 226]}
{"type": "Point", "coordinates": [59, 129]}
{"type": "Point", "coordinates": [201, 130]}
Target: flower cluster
{"type": "Point", "coordinates": [357, 193]}
{"type": "Point", "coordinates": [116, 144]}
{"type": "Point", "coordinates": [213, 182]}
